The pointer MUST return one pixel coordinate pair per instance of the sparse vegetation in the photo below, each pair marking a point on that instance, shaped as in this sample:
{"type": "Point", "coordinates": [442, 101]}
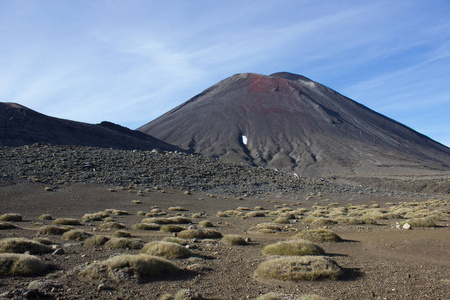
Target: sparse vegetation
{"type": "Point", "coordinates": [13, 264]}
{"type": "Point", "coordinates": [43, 240]}
{"type": "Point", "coordinates": [419, 222]}
{"type": "Point", "coordinates": [66, 221]}
{"type": "Point", "coordinates": [124, 243]}
{"type": "Point", "coordinates": [177, 240]}
{"type": "Point", "coordinates": [45, 217]}
{"type": "Point", "coordinates": [122, 233]}
{"type": "Point", "coordinates": [166, 249]}
{"type": "Point", "coordinates": [140, 266]}
{"type": "Point", "coordinates": [96, 240]}
{"type": "Point", "coordinates": [76, 235]}
{"type": "Point", "coordinates": [146, 226]}
{"type": "Point", "coordinates": [234, 239]}
{"type": "Point", "coordinates": [22, 245]}
{"type": "Point", "coordinates": [318, 235]}
{"type": "Point", "coordinates": [296, 268]}
{"type": "Point", "coordinates": [6, 225]}
{"type": "Point", "coordinates": [172, 228]}
{"type": "Point", "coordinates": [177, 208]}
{"type": "Point", "coordinates": [205, 223]}
{"type": "Point", "coordinates": [54, 230]}
{"type": "Point", "coordinates": [112, 225]}
{"type": "Point", "coordinates": [293, 247]}
{"type": "Point", "coordinates": [199, 234]}
{"type": "Point", "coordinates": [11, 217]}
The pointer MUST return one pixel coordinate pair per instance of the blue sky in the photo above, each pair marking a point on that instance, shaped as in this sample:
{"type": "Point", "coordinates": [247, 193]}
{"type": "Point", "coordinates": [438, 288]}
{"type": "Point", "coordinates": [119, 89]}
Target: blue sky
{"type": "Point", "coordinates": [131, 61]}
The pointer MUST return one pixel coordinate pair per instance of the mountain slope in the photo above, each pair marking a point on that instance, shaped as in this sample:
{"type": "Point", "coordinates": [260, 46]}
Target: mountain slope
{"type": "Point", "coordinates": [20, 125]}
{"type": "Point", "coordinates": [295, 124]}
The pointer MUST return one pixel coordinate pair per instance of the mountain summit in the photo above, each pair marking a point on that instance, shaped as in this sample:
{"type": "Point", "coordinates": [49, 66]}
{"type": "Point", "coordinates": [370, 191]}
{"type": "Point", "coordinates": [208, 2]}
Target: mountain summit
{"type": "Point", "coordinates": [289, 122]}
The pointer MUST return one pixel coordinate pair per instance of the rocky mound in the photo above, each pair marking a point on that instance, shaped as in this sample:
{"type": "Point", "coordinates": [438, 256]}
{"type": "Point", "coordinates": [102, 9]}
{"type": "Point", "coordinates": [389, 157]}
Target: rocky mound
{"type": "Point", "coordinates": [292, 123]}
{"type": "Point", "coordinates": [20, 125]}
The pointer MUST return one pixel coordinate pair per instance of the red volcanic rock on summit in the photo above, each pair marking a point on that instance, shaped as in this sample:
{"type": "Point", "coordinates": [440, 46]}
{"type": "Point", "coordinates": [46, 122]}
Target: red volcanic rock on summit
{"type": "Point", "coordinates": [290, 122]}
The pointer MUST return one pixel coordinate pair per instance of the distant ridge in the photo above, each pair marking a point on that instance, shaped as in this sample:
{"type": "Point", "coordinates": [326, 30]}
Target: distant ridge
{"type": "Point", "coordinates": [289, 122]}
{"type": "Point", "coordinates": [20, 126]}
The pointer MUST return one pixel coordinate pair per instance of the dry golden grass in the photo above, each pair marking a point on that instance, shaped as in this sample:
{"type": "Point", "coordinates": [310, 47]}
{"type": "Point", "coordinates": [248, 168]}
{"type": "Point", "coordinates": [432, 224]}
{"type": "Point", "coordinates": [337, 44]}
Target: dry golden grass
{"type": "Point", "coordinates": [166, 249]}
{"type": "Point", "coordinates": [281, 220]}
{"type": "Point", "coordinates": [96, 240]}
{"type": "Point", "coordinates": [76, 235]}
{"type": "Point", "coordinates": [297, 268]}
{"type": "Point", "coordinates": [124, 243]}
{"type": "Point", "coordinates": [139, 266]}
{"type": "Point", "coordinates": [253, 214]}
{"type": "Point", "coordinates": [13, 264]}
{"type": "Point", "coordinates": [54, 230]}
{"type": "Point", "coordinates": [146, 226]}
{"type": "Point", "coordinates": [122, 233]}
{"type": "Point", "coordinates": [94, 217]}
{"type": "Point", "coordinates": [177, 208]}
{"type": "Point", "coordinates": [112, 225]}
{"type": "Point", "coordinates": [6, 225]}
{"type": "Point", "coordinates": [117, 212]}
{"type": "Point", "coordinates": [234, 239]}
{"type": "Point", "coordinates": [66, 221]}
{"type": "Point", "coordinates": [199, 234]}
{"type": "Point", "coordinates": [45, 217]}
{"type": "Point", "coordinates": [172, 228]}
{"type": "Point", "coordinates": [11, 217]}
{"type": "Point", "coordinates": [177, 240]}
{"type": "Point", "coordinates": [318, 235]}
{"type": "Point", "coordinates": [22, 245]}
{"type": "Point", "coordinates": [293, 247]}
{"type": "Point", "coordinates": [205, 223]}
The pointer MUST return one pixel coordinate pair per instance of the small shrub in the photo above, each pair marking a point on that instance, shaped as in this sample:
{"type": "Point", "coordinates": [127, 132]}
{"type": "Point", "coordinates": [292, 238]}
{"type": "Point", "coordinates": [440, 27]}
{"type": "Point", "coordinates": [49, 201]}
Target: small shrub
{"type": "Point", "coordinates": [296, 268]}
{"type": "Point", "coordinates": [199, 234]}
{"type": "Point", "coordinates": [22, 245]}
{"type": "Point", "coordinates": [96, 240]}
{"type": "Point", "coordinates": [11, 217]}
{"type": "Point", "coordinates": [54, 230]}
{"type": "Point", "coordinates": [123, 243]}
{"type": "Point", "coordinates": [146, 226]}
{"type": "Point", "coordinates": [254, 214]}
{"type": "Point", "coordinates": [12, 264]}
{"type": "Point", "coordinates": [139, 266]}
{"type": "Point", "coordinates": [205, 223]}
{"type": "Point", "coordinates": [166, 249]}
{"type": "Point", "coordinates": [176, 208]}
{"type": "Point", "coordinates": [66, 221]}
{"type": "Point", "coordinates": [293, 247]}
{"type": "Point", "coordinates": [177, 240]}
{"type": "Point", "coordinates": [122, 233]}
{"type": "Point", "coordinates": [45, 217]}
{"type": "Point", "coordinates": [76, 235]}
{"type": "Point", "coordinates": [318, 235]}
{"type": "Point", "coordinates": [172, 228]}
{"type": "Point", "coordinates": [5, 225]}
{"type": "Point", "coordinates": [234, 239]}
{"type": "Point", "coordinates": [420, 222]}
{"type": "Point", "coordinates": [44, 241]}
{"type": "Point", "coordinates": [112, 225]}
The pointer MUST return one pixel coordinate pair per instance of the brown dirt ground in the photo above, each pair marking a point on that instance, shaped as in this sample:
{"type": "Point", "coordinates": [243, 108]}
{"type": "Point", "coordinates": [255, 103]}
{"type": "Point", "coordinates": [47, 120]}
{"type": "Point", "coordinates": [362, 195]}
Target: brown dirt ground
{"type": "Point", "coordinates": [381, 262]}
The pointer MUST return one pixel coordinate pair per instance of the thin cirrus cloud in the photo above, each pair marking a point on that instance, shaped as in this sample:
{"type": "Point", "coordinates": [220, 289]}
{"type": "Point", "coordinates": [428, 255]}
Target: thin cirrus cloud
{"type": "Point", "coordinates": [129, 62]}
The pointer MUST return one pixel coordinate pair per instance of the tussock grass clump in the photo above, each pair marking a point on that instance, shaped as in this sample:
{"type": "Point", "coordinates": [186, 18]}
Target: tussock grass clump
{"type": "Point", "coordinates": [123, 243]}
{"type": "Point", "coordinates": [66, 221]}
{"type": "Point", "coordinates": [94, 217]}
{"type": "Point", "coordinates": [76, 235]}
{"type": "Point", "coordinates": [166, 249]}
{"type": "Point", "coordinates": [319, 221]}
{"type": "Point", "coordinates": [117, 212]}
{"type": "Point", "coordinates": [420, 222]}
{"type": "Point", "coordinates": [54, 230]}
{"type": "Point", "coordinates": [349, 220]}
{"type": "Point", "coordinates": [146, 226]}
{"type": "Point", "coordinates": [22, 245]}
{"type": "Point", "coordinates": [11, 217]}
{"type": "Point", "coordinates": [96, 240]}
{"type": "Point", "coordinates": [44, 241]}
{"type": "Point", "coordinates": [45, 217]}
{"type": "Point", "coordinates": [318, 235]}
{"type": "Point", "coordinates": [122, 233]}
{"type": "Point", "coordinates": [234, 239]}
{"type": "Point", "coordinates": [177, 240]}
{"type": "Point", "coordinates": [140, 266]}
{"type": "Point", "coordinates": [297, 268]}
{"type": "Point", "coordinates": [253, 214]}
{"type": "Point", "coordinates": [293, 247]}
{"type": "Point", "coordinates": [177, 208]}
{"type": "Point", "coordinates": [6, 225]}
{"type": "Point", "coordinates": [112, 225]}
{"type": "Point", "coordinates": [265, 228]}
{"type": "Point", "coordinates": [13, 264]}
{"type": "Point", "coordinates": [199, 234]}
{"type": "Point", "coordinates": [172, 228]}
{"type": "Point", "coordinates": [171, 220]}
{"type": "Point", "coordinates": [179, 220]}
{"type": "Point", "coordinates": [281, 220]}
{"type": "Point", "coordinates": [205, 223]}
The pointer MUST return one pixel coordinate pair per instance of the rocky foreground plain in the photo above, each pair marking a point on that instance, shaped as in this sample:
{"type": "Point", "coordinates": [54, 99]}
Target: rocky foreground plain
{"type": "Point", "coordinates": [97, 223]}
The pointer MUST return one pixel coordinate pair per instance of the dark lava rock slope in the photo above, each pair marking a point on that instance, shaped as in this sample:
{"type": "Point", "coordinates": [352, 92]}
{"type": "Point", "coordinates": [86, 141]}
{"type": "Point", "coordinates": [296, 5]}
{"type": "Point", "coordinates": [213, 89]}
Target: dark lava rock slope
{"type": "Point", "coordinates": [292, 123]}
{"type": "Point", "coordinates": [20, 126]}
